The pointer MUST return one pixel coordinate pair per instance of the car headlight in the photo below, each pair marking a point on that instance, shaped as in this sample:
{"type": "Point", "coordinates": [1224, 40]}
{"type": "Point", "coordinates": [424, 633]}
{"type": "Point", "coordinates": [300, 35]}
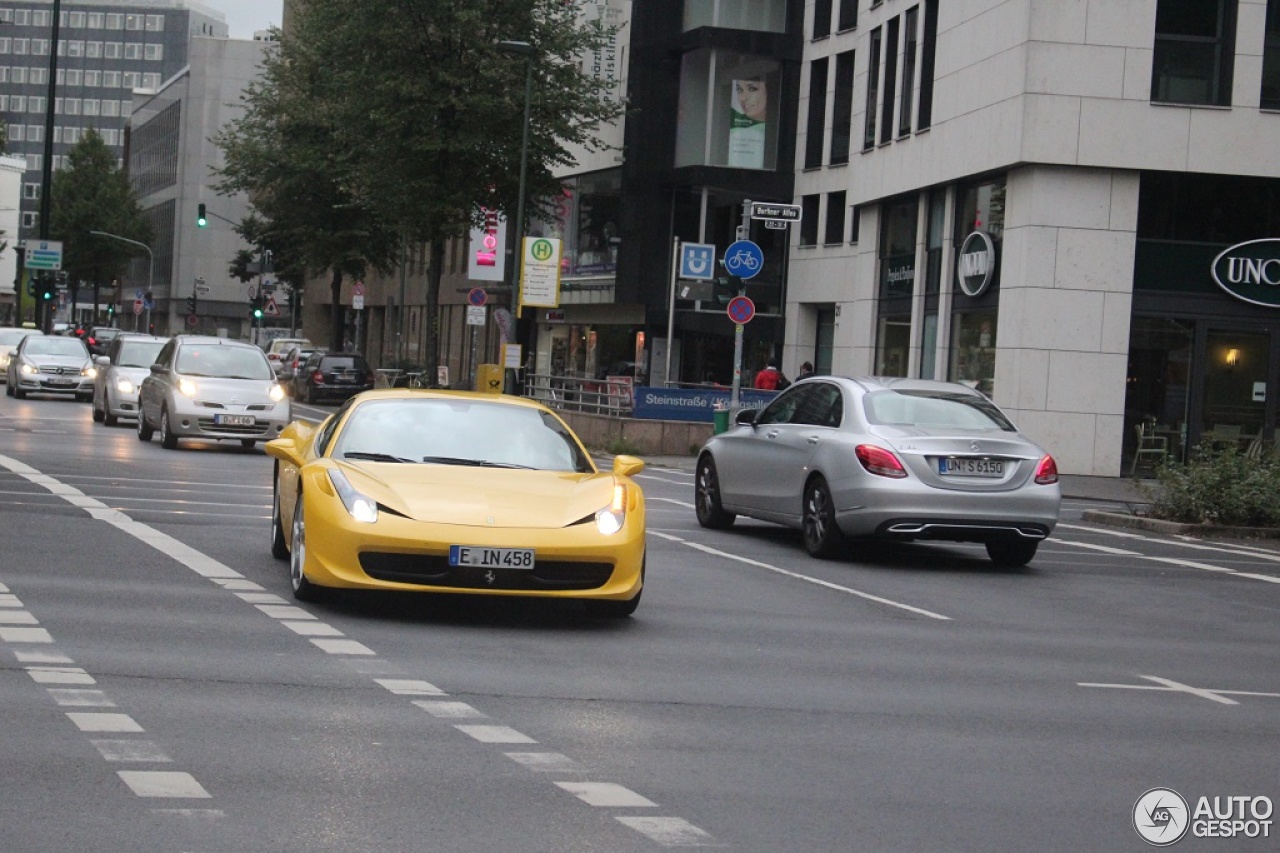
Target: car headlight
{"type": "Point", "coordinates": [362, 507]}
{"type": "Point", "coordinates": [276, 393]}
{"type": "Point", "coordinates": [610, 519]}
{"type": "Point", "coordinates": [124, 386]}
{"type": "Point", "coordinates": [187, 388]}
{"type": "Point", "coordinates": [29, 369]}
{"type": "Point", "coordinates": [89, 372]}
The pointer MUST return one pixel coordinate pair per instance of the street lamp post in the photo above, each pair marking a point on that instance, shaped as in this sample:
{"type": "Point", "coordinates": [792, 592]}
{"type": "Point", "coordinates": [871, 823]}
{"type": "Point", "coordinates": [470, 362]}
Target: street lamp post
{"type": "Point", "coordinates": [151, 265]}
{"type": "Point", "coordinates": [521, 48]}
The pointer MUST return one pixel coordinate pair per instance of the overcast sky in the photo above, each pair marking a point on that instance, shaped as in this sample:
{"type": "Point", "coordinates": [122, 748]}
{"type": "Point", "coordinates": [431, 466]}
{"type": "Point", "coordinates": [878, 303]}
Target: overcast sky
{"type": "Point", "coordinates": [245, 17]}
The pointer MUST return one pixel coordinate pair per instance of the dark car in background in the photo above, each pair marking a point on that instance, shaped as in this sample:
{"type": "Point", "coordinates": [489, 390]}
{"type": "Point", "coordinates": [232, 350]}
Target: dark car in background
{"type": "Point", "coordinates": [332, 376]}
{"type": "Point", "coordinates": [291, 362]}
{"type": "Point", "coordinates": [99, 338]}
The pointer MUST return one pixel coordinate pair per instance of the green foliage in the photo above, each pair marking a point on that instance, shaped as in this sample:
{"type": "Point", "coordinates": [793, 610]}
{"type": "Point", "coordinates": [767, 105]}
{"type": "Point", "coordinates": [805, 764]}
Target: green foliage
{"type": "Point", "coordinates": [91, 193]}
{"type": "Point", "coordinates": [623, 446]}
{"type": "Point", "coordinates": [1227, 488]}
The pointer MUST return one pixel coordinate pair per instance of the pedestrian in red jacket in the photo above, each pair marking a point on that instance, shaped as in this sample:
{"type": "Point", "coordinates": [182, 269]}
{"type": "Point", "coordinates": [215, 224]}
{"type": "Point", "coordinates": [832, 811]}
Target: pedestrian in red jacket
{"type": "Point", "coordinates": [771, 378]}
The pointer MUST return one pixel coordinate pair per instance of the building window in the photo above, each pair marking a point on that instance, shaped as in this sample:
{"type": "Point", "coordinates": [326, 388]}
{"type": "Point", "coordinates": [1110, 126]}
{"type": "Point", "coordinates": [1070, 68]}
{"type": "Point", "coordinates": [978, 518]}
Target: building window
{"type": "Point", "coordinates": [873, 88]}
{"type": "Point", "coordinates": [821, 19]}
{"type": "Point", "coordinates": [71, 106]}
{"type": "Point", "coordinates": [893, 338]}
{"type": "Point", "coordinates": [113, 50]}
{"type": "Point", "coordinates": [936, 227]}
{"type": "Point", "coordinates": [890, 79]}
{"type": "Point", "coordinates": [133, 50]}
{"type": "Point", "coordinates": [93, 78]}
{"type": "Point", "coordinates": [809, 208]}
{"type": "Point", "coordinates": [6, 45]}
{"type": "Point", "coordinates": [111, 108]}
{"type": "Point", "coordinates": [74, 76]}
{"type": "Point", "coordinates": [76, 19]}
{"type": "Point", "coordinates": [4, 74]}
{"type": "Point", "coordinates": [75, 49]}
{"type": "Point", "coordinates": [151, 81]}
{"type": "Point", "coordinates": [131, 79]}
{"type": "Point", "coordinates": [855, 215]}
{"type": "Point", "coordinates": [17, 132]}
{"type": "Point", "coordinates": [39, 76]}
{"type": "Point", "coordinates": [815, 137]}
{"type": "Point", "coordinates": [155, 23]}
{"type": "Point", "coordinates": [22, 17]}
{"type": "Point", "coordinates": [842, 109]}
{"type": "Point", "coordinates": [35, 133]}
{"type": "Point", "coordinates": [29, 218]}
{"type": "Point", "coordinates": [36, 103]}
{"type": "Point", "coordinates": [133, 22]}
{"type": "Point", "coordinates": [39, 47]}
{"type": "Point", "coordinates": [764, 16]}
{"type": "Point", "coordinates": [41, 18]}
{"type": "Point", "coordinates": [1194, 52]}
{"type": "Point", "coordinates": [928, 50]}
{"type": "Point", "coordinates": [908, 68]}
{"type": "Point", "coordinates": [898, 248]}
{"type": "Point", "coordinates": [95, 20]}
{"type": "Point", "coordinates": [729, 105]}
{"type": "Point", "coordinates": [115, 21]}
{"type": "Point", "coordinates": [835, 218]}
{"type": "Point", "coordinates": [848, 17]}
{"type": "Point", "coordinates": [973, 350]}
{"type": "Point", "coordinates": [825, 341]}
{"type": "Point", "coordinates": [31, 191]}
{"type": "Point", "coordinates": [18, 103]}
{"type": "Point", "coordinates": [154, 51]}
{"type": "Point", "coordinates": [1271, 58]}
{"type": "Point", "coordinates": [21, 47]}
{"type": "Point", "coordinates": [90, 107]}
{"type": "Point", "coordinates": [93, 50]}
{"type": "Point", "coordinates": [20, 74]}
{"type": "Point", "coordinates": [111, 79]}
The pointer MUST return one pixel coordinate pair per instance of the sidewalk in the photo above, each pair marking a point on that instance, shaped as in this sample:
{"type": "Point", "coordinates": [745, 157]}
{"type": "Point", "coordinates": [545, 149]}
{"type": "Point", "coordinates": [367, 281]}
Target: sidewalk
{"type": "Point", "coordinates": [1112, 489]}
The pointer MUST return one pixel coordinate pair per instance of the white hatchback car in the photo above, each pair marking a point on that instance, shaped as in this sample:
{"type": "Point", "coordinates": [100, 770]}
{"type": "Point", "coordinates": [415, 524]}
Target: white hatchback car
{"type": "Point", "coordinates": [120, 372]}
{"type": "Point", "coordinates": [206, 387]}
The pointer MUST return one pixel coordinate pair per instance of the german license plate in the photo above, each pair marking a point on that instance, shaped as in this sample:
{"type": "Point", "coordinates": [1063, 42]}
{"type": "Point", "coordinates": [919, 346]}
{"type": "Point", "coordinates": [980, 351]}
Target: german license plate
{"type": "Point", "coordinates": [61, 380]}
{"type": "Point", "coordinates": [951, 466]}
{"type": "Point", "coordinates": [490, 558]}
{"type": "Point", "coordinates": [234, 420]}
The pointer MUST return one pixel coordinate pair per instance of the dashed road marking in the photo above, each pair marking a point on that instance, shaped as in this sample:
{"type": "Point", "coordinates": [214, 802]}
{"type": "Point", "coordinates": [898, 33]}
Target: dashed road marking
{"type": "Point", "coordinates": [1106, 549]}
{"type": "Point", "coordinates": [606, 795]}
{"type": "Point", "coordinates": [78, 698]}
{"type": "Point", "coordinates": [59, 675]}
{"type": "Point", "coordinates": [95, 722]}
{"type": "Point", "coordinates": [163, 783]}
{"type": "Point", "coordinates": [409, 687]}
{"type": "Point", "coordinates": [546, 762]}
{"type": "Point", "coordinates": [130, 751]}
{"type": "Point", "coordinates": [670, 831]}
{"type": "Point", "coordinates": [449, 710]}
{"type": "Point", "coordinates": [313, 629]}
{"type": "Point", "coordinates": [495, 734]}
{"type": "Point", "coordinates": [342, 647]}
{"type": "Point", "coordinates": [284, 611]}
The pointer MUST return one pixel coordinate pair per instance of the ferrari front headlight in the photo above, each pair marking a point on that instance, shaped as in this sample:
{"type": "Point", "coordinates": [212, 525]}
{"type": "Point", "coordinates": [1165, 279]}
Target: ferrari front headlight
{"type": "Point", "coordinates": [276, 393]}
{"type": "Point", "coordinates": [610, 519]}
{"type": "Point", "coordinates": [187, 388]}
{"type": "Point", "coordinates": [362, 507]}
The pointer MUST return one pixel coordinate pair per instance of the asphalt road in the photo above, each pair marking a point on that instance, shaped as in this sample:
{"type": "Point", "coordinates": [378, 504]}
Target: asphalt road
{"type": "Point", "coordinates": [162, 691]}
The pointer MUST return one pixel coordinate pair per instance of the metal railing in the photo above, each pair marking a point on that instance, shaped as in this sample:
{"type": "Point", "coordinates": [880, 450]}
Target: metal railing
{"type": "Point", "coordinates": [574, 394]}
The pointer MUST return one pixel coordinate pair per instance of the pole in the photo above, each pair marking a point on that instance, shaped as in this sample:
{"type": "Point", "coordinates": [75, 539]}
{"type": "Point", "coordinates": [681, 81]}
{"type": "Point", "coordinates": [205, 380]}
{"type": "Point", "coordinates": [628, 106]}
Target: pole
{"type": "Point", "coordinates": [19, 284]}
{"type": "Point", "coordinates": [151, 268]}
{"type": "Point", "coordinates": [744, 233]}
{"type": "Point", "coordinates": [671, 307]}
{"type": "Point", "coordinates": [471, 360]}
{"type": "Point", "coordinates": [404, 251]}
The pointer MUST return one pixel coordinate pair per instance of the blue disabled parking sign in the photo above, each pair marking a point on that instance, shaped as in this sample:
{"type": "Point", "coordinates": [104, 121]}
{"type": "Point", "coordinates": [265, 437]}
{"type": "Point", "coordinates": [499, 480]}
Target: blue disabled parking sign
{"type": "Point", "coordinates": [698, 261]}
{"type": "Point", "coordinates": [744, 259]}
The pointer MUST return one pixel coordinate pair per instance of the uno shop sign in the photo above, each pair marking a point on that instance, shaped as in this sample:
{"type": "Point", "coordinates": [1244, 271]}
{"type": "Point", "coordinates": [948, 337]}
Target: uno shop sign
{"type": "Point", "coordinates": [1250, 271]}
{"type": "Point", "coordinates": [691, 404]}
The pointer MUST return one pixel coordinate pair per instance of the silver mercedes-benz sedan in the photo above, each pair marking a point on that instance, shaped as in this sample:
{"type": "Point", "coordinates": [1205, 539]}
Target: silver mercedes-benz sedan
{"type": "Point", "coordinates": [883, 457]}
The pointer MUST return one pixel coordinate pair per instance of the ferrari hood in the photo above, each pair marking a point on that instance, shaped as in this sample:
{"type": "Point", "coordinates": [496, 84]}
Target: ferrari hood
{"type": "Point", "coordinates": [482, 497]}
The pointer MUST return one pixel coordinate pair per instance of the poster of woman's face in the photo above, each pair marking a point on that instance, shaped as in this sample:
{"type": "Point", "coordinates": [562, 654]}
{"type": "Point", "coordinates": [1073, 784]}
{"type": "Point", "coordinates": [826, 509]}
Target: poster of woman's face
{"type": "Point", "coordinates": [751, 98]}
{"type": "Point", "coordinates": [747, 123]}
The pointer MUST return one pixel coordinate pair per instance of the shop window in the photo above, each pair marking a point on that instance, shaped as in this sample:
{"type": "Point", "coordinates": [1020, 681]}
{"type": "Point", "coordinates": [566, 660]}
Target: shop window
{"type": "Point", "coordinates": [809, 209]}
{"type": "Point", "coordinates": [873, 89]}
{"type": "Point", "coordinates": [893, 340]}
{"type": "Point", "coordinates": [973, 350]}
{"type": "Point", "coordinates": [842, 109]}
{"type": "Point", "coordinates": [898, 248]}
{"type": "Point", "coordinates": [822, 19]}
{"type": "Point", "coordinates": [890, 79]}
{"type": "Point", "coordinates": [835, 218]}
{"type": "Point", "coordinates": [848, 17]}
{"type": "Point", "coordinates": [767, 16]}
{"type": "Point", "coordinates": [815, 140]}
{"type": "Point", "coordinates": [1271, 58]}
{"type": "Point", "coordinates": [729, 104]}
{"type": "Point", "coordinates": [1157, 386]}
{"type": "Point", "coordinates": [908, 68]}
{"type": "Point", "coordinates": [587, 214]}
{"type": "Point", "coordinates": [1194, 52]}
{"type": "Point", "coordinates": [928, 51]}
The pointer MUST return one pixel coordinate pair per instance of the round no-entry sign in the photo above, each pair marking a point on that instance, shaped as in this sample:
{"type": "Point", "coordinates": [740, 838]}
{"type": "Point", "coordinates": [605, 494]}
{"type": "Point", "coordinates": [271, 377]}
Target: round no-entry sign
{"type": "Point", "coordinates": [741, 309]}
{"type": "Point", "coordinates": [477, 296]}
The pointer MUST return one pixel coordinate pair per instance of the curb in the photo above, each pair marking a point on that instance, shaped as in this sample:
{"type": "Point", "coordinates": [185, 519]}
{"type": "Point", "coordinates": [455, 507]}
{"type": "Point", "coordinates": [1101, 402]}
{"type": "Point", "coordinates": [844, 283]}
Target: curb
{"type": "Point", "coordinates": [1175, 528]}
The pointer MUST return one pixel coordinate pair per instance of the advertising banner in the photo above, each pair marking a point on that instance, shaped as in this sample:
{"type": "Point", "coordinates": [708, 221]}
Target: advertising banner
{"type": "Point", "coordinates": [691, 404]}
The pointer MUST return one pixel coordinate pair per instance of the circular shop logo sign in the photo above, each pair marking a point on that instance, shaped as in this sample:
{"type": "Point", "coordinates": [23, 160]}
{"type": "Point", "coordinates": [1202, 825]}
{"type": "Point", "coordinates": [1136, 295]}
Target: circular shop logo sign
{"type": "Point", "coordinates": [1250, 271]}
{"type": "Point", "coordinates": [542, 250]}
{"type": "Point", "coordinates": [1161, 816]}
{"type": "Point", "coordinates": [976, 264]}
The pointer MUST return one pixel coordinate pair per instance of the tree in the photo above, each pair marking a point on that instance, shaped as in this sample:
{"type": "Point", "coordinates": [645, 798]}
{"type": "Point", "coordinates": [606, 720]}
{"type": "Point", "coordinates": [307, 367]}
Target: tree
{"type": "Point", "coordinates": [91, 193]}
{"type": "Point", "coordinates": [412, 115]}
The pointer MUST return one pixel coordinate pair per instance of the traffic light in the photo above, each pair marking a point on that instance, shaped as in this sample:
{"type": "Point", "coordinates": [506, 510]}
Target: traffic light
{"type": "Point", "coordinates": [201, 219]}
{"type": "Point", "coordinates": [47, 293]}
{"type": "Point", "coordinates": [31, 286]}
{"type": "Point", "coordinates": [191, 304]}
{"type": "Point", "coordinates": [726, 287]}
{"type": "Point", "coordinates": [255, 307]}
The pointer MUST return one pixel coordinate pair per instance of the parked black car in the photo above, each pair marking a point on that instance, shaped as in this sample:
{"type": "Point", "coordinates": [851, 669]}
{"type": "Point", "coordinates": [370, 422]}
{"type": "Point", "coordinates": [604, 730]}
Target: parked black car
{"type": "Point", "coordinates": [332, 376]}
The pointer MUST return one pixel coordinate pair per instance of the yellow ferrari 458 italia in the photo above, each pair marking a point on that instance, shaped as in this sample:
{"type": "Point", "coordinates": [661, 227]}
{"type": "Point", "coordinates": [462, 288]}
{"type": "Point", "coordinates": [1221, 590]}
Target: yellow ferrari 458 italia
{"type": "Point", "coordinates": [451, 491]}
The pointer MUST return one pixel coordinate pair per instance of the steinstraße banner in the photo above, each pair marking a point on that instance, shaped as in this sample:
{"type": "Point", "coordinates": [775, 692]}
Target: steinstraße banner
{"type": "Point", "coordinates": [691, 404]}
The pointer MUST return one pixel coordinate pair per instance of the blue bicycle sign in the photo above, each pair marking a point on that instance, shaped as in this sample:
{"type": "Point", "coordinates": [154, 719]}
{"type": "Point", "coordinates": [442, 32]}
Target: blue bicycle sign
{"type": "Point", "coordinates": [744, 259]}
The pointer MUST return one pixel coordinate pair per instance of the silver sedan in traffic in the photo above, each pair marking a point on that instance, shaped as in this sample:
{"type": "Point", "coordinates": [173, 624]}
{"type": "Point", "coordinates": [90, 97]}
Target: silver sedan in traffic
{"type": "Point", "coordinates": [120, 373]}
{"type": "Point", "coordinates": [882, 457]}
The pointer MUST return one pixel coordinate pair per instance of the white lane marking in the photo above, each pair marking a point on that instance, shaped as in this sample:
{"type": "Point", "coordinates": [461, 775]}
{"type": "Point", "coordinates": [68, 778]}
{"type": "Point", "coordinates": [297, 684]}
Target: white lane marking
{"type": "Point", "coordinates": [4, 588]}
{"type": "Point", "coordinates": [92, 722]}
{"type": "Point", "coordinates": [1194, 691]}
{"type": "Point", "coordinates": [207, 815]}
{"type": "Point", "coordinates": [25, 635]}
{"type": "Point", "coordinates": [1106, 549]}
{"type": "Point", "coordinates": [670, 831]}
{"type": "Point", "coordinates": [1190, 564]}
{"type": "Point", "coordinates": [75, 697]}
{"type": "Point", "coordinates": [449, 710]}
{"type": "Point", "coordinates": [409, 687]}
{"type": "Point", "coordinates": [797, 576]}
{"type": "Point", "coordinates": [606, 795]}
{"type": "Point", "coordinates": [495, 734]}
{"type": "Point", "coordinates": [17, 617]}
{"type": "Point", "coordinates": [237, 583]}
{"type": "Point", "coordinates": [42, 657]}
{"type": "Point", "coordinates": [1183, 542]}
{"type": "Point", "coordinates": [683, 504]}
{"type": "Point", "coordinates": [164, 783]}
{"type": "Point", "coordinates": [284, 611]}
{"type": "Point", "coordinates": [546, 762]}
{"type": "Point", "coordinates": [343, 647]}
{"type": "Point", "coordinates": [201, 486]}
{"type": "Point", "coordinates": [8, 599]}
{"type": "Point", "coordinates": [661, 479]}
{"type": "Point", "coordinates": [1165, 685]}
{"type": "Point", "coordinates": [59, 675]}
{"type": "Point", "coordinates": [260, 598]}
{"type": "Point", "coordinates": [313, 629]}
{"type": "Point", "coordinates": [1251, 576]}
{"type": "Point", "coordinates": [130, 750]}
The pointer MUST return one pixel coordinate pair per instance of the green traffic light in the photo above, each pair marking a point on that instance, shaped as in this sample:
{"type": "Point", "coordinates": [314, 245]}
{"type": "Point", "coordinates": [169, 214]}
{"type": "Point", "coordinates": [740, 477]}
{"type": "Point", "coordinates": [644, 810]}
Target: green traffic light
{"type": "Point", "coordinates": [201, 219]}
{"type": "Point", "coordinates": [257, 313]}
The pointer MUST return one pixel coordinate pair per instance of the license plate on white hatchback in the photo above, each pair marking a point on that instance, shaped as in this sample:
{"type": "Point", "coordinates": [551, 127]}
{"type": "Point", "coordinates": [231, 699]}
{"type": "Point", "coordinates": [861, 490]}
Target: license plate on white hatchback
{"type": "Point", "coordinates": [234, 420]}
{"type": "Point", "coordinates": [951, 466]}
{"type": "Point", "coordinates": [490, 558]}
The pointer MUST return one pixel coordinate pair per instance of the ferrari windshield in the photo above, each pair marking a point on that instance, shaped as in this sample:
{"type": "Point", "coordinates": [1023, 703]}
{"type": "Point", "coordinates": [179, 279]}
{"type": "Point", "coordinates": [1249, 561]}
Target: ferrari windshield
{"type": "Point", "coordinates": [459, 432]}
{"type": "Point", "coordinates": [934, 410]}
{"type": "Point", "coordinates": [226, 362]}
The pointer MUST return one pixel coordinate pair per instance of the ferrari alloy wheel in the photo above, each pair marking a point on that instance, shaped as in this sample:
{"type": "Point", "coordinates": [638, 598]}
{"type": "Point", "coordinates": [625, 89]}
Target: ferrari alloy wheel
{"type": "Point", "coordinates": [1012, 553]}
{"type": "Point", "coordinates": [822, 536]}
{"type": "Point", "coordinates": [707, 497]}
{"type": "Point", "coordinates": [168, 440]}
{"type": "Point", "coordinates": [303, 589]}
{"type": "Point", "coordinates": [279, 549]}
{"type": "Point", "coordinates": [144, 430]}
